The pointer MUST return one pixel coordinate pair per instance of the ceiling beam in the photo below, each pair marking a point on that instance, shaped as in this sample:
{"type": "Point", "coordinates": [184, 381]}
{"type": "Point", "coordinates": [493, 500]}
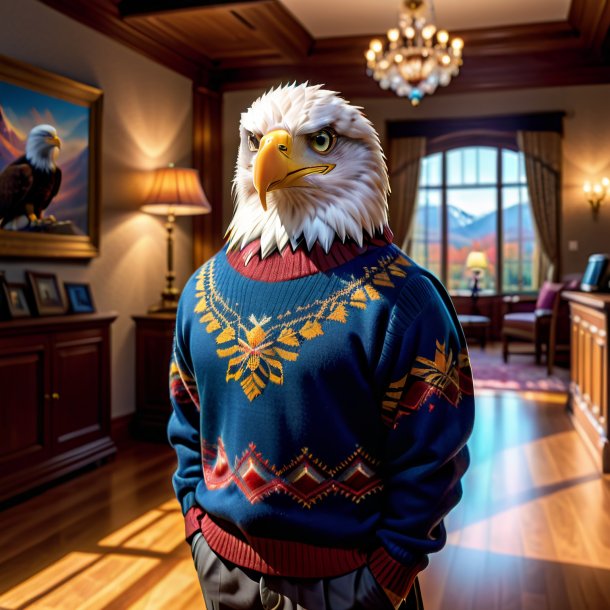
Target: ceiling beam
{"type": "Point", "coordinates": [591, 19]}
{"type": "Point", "coordinates": [482, 73]}
{"type": "Point", "coordinates": [142, 8]}
{"type": "Point", "coordinates": [503, 41]}
{"type": "Point", "coordinates": [275, 26]}
{"type": "Point", "coordinates": [96, 15]}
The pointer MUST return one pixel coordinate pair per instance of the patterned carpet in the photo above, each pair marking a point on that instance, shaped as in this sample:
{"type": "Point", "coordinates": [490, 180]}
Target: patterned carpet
{"type": "Point", "coordinates": [520, 374]}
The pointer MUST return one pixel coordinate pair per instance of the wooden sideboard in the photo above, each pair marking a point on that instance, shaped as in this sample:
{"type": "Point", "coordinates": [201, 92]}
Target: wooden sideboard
{"type": "Point", "coordinates": [54, 398]}
{"type": "Point", "coordinates": [589, 370]}
{"type": "Point", "coordinates": [154, 339]}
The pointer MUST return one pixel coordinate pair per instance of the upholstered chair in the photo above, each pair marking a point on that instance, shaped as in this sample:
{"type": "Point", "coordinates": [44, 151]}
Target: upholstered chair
{"type": "Point", "coordinates": [531, 320]}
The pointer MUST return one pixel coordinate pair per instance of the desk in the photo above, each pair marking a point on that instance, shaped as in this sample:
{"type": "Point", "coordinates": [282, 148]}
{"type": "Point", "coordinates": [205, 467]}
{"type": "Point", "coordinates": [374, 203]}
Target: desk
{"type": "Point", "coordinates": [589, 371]}
{"type": "Point", "coordinates": [476, 325]}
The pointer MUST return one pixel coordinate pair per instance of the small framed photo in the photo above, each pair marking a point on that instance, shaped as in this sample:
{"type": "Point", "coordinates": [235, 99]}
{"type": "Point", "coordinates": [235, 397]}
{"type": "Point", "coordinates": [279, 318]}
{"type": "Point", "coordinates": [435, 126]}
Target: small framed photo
{"type": "Point", "coordinates": [47, 293]}
{"type": "Point", "coordinates": [79, 298]}
{"type": "Point", "coordinates": [16, 300]}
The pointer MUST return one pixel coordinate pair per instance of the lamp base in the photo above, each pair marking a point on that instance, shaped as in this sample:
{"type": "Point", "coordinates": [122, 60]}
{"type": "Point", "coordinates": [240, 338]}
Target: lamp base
{"type": "Point", "coordinates": [168, 304]}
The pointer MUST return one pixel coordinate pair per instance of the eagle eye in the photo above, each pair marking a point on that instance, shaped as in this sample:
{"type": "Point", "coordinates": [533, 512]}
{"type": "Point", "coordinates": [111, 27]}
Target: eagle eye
{"type": "Point", "coordinates": [323, 141]}
{"type": "Point", "coordinates": [253, 142]}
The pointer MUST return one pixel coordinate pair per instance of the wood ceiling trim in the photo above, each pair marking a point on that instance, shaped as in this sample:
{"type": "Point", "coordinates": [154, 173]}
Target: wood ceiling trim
{"type": "Point", "coordinates": [480, 74]}
{"type": "Point", "coordinates": [278, 28]}
{"type": "Point", "coordinates": [509, 41]}
{"type": "Point", "coordinates": [591, 18]}
{"type": "Point", "coordinates": [547, 54]}
{"type": "Point", "coordinates": [103, 16]}
{"type": "Point", "coordinates": [140, 8]}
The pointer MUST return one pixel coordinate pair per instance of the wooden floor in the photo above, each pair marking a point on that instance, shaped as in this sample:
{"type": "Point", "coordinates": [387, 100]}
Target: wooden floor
{"type": "Point", "coordinates": [532, 532]}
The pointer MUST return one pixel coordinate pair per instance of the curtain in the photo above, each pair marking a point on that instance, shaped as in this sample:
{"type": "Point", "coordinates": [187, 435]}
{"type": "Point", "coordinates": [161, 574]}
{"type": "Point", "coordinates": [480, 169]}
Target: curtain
{"type": "Point", "coordinates": [405, 161]}
{"type": "Point", "coordinates": [542, 151]}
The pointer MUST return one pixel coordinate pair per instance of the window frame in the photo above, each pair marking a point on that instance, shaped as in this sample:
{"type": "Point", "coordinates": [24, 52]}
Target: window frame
{"type": "Point", "coordinates": [497, 131]}
{"type": "Point", "coordinates": [445, 145]}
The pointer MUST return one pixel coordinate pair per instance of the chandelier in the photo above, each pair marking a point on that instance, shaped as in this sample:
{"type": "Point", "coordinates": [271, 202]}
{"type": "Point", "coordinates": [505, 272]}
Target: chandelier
{"type": "Point", "coordinates": [416, 58]}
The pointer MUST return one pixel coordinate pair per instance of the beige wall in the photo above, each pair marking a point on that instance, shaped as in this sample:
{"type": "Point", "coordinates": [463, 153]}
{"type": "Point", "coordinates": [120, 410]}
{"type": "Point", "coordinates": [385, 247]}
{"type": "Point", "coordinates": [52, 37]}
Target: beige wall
{"type": "Point", "coordinates": [147, 122]}
{"type": "Point", "coordinates": [586, 145]}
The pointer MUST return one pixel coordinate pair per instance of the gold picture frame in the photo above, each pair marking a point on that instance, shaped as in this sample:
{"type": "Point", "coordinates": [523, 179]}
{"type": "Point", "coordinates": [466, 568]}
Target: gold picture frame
{"type": "Point", "coordinates": [28, 93]}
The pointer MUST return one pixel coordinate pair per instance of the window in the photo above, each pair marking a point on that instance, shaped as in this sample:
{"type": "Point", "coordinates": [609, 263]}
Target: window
{"type": "Point", "coordinates": [475, 198]}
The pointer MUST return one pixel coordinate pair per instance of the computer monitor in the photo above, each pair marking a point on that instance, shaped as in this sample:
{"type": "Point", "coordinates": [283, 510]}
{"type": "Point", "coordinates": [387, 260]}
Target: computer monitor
{"type": "Point", "coordinates": [595, 278]}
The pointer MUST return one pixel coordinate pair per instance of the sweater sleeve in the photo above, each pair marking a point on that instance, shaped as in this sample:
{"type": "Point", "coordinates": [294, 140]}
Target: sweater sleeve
{"type": "Point", "coordinates": [428, 408]}
{"type": "Point", "coordinates": [183, 429]}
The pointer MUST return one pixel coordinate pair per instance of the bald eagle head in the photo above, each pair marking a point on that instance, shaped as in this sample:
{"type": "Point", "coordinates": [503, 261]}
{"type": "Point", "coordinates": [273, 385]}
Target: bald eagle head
{"type": "Point", "coordinates": [42, 146]}
{"type": "Point", "coordinates": [309, 169]}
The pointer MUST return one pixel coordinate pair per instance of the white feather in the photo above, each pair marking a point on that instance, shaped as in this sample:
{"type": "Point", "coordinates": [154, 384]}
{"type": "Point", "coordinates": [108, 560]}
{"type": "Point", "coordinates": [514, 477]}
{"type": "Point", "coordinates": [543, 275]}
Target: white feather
{"type": "Point", "coordinates": [37, 149]}
{"type": "Point", "coordinates": [348, 202]}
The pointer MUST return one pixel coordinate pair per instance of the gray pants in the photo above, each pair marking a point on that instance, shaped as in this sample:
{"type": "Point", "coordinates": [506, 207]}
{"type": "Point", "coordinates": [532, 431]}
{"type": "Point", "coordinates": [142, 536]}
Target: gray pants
{"type": "Point", "coordinates": [227, 586]}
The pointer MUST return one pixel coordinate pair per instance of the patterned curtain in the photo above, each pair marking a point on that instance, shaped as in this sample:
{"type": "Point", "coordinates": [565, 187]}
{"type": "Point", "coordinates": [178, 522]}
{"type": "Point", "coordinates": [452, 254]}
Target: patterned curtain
{"type": "Point", "coordinates": [542, 150]}
{"type": "Point", "coordinates": [405, 162]}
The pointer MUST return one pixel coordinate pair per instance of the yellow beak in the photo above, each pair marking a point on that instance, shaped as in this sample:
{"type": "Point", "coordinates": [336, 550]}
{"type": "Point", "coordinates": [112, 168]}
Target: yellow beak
{"type": "Point", "coordinates": [276, 168]}
{"type": "Point", "coordinates": [55, 141]}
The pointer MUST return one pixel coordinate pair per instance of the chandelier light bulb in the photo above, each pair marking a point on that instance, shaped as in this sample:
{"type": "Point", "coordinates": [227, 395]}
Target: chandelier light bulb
{"type": "Point", "coordinates": [416, 57]}
{"type": "Point", "coordinates": [586, 187]}
{"type": "Point", "coordinates": [428, 32]}
{"type": "Point", "coordinates": [457, 44]}
{"type": "Point", "coordinates": [393, 34]}
{"type": "Point", "coordinates": [376, 45]}
{"type": "Point", "coordinates": [605, 182]}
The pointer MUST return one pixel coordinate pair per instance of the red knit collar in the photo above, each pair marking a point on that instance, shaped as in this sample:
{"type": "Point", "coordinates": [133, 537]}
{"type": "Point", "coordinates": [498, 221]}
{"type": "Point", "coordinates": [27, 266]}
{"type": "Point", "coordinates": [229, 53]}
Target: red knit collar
{"type": "Point", "coordinates": [291, 264]}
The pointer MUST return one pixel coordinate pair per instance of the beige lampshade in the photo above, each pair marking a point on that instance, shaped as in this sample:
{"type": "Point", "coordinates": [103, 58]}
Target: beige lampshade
{"type": "Point", "coordinates": [178, 191]}
{"type": "Point", "coordinates": [476, 260]}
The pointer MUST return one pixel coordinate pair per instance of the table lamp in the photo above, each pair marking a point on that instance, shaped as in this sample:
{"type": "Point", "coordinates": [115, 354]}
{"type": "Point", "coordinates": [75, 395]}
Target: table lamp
{"type": "Point", "coordinates": [176, 191]}
{"type": "Point", "coordinates": [477, 263]}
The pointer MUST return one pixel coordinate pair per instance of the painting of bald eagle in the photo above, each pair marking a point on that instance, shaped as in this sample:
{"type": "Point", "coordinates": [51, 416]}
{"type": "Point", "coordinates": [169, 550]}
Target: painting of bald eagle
{"type": "Point", "coordinates": [29, 184]}
{"type": "Point", "coordinates": [44, 162]}
{"type": "Point", "coordinates": [49, 163]}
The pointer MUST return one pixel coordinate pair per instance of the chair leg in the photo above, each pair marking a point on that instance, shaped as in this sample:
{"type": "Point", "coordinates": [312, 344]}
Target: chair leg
{"type": "Point", "coordinates": [538, 352]}
{"type": "Point", "coordinates": [505, 348]}
{"type": "Point", "coordinates": [550, 359]}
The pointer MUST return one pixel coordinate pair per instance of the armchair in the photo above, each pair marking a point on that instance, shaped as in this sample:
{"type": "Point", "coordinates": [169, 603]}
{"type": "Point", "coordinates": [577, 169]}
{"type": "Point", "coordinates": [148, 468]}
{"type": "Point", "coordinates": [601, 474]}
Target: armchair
{"type": "Point", "coordinates": [533, 320]}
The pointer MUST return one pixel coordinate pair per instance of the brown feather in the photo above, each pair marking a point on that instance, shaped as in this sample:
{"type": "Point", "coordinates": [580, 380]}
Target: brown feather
{"type": "Point", "coordinates": [15, 182]}
{"type": "Point", "coordinates": [21, 185]}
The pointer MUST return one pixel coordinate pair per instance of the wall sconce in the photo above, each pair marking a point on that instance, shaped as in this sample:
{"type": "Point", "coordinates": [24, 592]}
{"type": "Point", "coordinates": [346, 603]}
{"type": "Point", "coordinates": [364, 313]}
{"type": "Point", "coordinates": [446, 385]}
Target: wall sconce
{"type": "Point", "coordinates": [176, 191]}
{"type": "Point", "coordinates": [595, 193]}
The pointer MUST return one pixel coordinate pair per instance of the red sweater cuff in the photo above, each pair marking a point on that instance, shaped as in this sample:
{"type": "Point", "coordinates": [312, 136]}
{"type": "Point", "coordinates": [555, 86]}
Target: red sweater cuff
{"type": "Point", "coordinates": [391, 574]}
{"type": "Point", "coordinates": [192, 521]}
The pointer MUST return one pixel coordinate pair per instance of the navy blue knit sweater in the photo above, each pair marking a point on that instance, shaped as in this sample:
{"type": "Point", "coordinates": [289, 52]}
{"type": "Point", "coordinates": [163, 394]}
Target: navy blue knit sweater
{"type": "Point", "coordinates": [320, 422]}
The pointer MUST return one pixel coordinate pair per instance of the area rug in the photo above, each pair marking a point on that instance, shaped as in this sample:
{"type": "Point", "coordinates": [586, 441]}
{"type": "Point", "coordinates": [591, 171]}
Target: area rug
{"type": "Point", "coordinates": [520, 374]}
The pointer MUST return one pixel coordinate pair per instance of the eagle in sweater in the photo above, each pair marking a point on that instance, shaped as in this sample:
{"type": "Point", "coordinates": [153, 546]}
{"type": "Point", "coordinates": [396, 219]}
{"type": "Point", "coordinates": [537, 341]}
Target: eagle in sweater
{"type": "Point", "coordinates": [29, 184]}
{"type": "Point", "coordinates": [310, 169]}
{"type": "Point", "coordinates": [315, 368]}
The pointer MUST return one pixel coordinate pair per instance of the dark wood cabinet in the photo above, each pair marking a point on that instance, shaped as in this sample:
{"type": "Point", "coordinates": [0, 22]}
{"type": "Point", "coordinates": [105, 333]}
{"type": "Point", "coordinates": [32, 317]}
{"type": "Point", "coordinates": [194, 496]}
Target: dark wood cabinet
{"type": "Point", "coordinates": [589, 402]}
{"type": "Point", "coordinates": [154, 339]}
{"type": "Point", "coordinates": [54, 398]}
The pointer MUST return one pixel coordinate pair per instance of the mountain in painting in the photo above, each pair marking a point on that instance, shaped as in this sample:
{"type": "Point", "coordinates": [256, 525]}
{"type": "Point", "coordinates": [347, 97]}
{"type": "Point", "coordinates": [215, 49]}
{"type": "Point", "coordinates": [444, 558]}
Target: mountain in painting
{"type": "Point", "coordinates": [72, 199]}
{"type": "Point", "coordinates": [12, 143]}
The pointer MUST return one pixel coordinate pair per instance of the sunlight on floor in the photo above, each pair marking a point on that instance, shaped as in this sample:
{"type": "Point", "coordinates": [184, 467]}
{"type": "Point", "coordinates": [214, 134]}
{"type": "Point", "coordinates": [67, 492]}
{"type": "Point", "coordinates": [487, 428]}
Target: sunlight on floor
{"type": "Point", "coordinates": [94, 580]}
{"type": "Point", "coordinates": [543, 516]}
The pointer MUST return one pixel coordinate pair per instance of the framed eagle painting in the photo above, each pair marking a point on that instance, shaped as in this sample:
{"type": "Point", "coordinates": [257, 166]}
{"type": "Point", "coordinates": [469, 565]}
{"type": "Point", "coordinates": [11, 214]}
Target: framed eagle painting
{"type": "Point", "coordinates": [49, 164]}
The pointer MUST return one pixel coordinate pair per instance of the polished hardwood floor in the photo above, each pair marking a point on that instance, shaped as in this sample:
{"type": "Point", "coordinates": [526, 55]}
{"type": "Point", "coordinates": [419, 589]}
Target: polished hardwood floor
{"type": "Point", "coordinates": [532, 531]}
